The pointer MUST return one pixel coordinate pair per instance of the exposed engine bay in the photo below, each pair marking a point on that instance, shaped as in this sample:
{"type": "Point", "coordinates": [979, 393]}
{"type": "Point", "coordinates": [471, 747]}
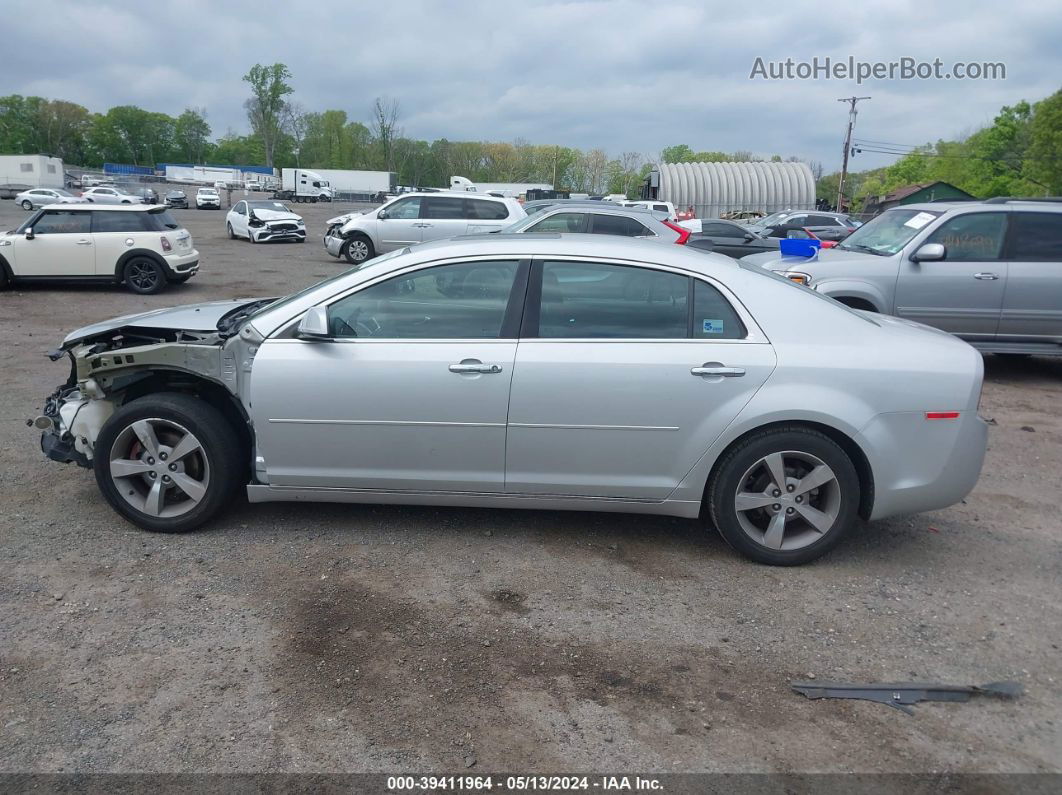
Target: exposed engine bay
{"type": "Point", "coordinates": [129, 357]}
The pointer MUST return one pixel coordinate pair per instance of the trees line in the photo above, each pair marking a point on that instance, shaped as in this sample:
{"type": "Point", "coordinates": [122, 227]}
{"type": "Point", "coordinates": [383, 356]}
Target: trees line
{"type": "Point", "coordinates": [1018, 154]}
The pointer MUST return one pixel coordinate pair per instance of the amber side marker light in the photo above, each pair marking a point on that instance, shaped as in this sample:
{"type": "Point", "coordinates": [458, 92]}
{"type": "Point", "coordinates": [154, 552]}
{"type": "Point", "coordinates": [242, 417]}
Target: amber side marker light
{"type": "Point", "coordinates": [942, 415]}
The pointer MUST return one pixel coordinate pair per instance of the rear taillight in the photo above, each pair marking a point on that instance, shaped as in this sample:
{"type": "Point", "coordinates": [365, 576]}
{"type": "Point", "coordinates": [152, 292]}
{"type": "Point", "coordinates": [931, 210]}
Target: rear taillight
{"type": "Point", "coordinates": [942, 415]}
{"type": "Point", "coordinates": [166, 243]}
{"type": "Point", "coordinates": [683, 232]}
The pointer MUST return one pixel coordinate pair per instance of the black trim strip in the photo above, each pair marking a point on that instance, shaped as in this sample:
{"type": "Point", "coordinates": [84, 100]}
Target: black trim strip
{"type": "Point", "coordinates": [514, 309]}
{"type": "Point", "coordinates": [532, 302]}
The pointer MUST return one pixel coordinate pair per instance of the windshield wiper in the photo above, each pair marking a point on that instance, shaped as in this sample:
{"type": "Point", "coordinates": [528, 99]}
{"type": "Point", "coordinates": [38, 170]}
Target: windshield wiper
{"type": "Point", "coordinates": [861, 247]}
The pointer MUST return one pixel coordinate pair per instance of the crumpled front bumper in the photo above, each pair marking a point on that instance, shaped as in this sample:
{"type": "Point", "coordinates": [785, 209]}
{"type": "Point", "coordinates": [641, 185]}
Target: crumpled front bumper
{"type": "Point", "coordinates": [334, 245]}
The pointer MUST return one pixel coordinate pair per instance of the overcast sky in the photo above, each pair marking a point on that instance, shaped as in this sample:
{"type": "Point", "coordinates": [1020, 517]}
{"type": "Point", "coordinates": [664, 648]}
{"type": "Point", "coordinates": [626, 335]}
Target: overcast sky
{"type": "Point", "coordinates": [615, 75]}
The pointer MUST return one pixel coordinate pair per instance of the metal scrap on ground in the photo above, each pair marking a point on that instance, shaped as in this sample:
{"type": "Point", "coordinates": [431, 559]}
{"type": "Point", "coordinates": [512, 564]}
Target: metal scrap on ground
{"type": "Point", "coordinates": [903, 694]}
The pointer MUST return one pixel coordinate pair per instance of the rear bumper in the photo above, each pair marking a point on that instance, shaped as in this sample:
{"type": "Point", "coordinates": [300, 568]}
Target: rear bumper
{"type": "Point", "coordinates": [922, 465]}
{"type": "Point", "coordinates": [183, 264]}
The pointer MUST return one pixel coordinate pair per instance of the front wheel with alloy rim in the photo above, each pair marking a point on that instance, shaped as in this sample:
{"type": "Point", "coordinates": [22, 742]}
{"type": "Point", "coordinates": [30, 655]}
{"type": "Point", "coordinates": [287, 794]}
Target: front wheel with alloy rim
{"type": "Point", "coordinates": [357, 250]}
{"type": "Point", "coordinates": [167, 462]}
{"type": "Point", "coordinates": [228, 228]}
{"type": "Point", "coordinates": [143, 275]}
{"type": "Point", "coordinates": [784, 496]}
{"type": "Point", "coordinates": [27, 204]}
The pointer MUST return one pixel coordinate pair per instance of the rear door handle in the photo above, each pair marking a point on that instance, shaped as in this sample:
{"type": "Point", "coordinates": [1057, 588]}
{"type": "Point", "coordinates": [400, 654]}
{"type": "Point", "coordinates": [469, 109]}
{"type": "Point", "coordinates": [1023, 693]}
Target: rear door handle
{"type": "Point", "coordinates": [726, 372]}
{"type": "Point", "coordinates": [489, 369]}
{"type": "Point", "coordinates": [986, 277]}
{"type": "Point", "coordinates": [84, 242]}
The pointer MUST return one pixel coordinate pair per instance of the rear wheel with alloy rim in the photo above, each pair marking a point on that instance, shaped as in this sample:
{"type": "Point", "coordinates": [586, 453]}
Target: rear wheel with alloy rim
{"type": "Point", "coordinates": [167, 462]}
{"type": "Point", "coordinates": [784, 496]}
{"type": "Point", "coordinates": [357, 250]}
{"type": "Point", "coordinates": [27, 204]}
{"type": "Point", "coordinates": [143, 275]}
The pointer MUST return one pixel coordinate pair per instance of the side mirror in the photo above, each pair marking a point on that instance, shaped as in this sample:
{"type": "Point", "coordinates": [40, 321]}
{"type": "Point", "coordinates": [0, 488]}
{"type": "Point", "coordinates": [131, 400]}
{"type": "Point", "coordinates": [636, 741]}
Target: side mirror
{"type": "Point", "coordinates": [314, 324]}
{"type": "Point", "coordinates": [749, 236]}
{"type": "Point", "coordinates": [29, 234]}
{"type": "Point", "coordinates": [382, 215]}
{"type": "Point", "coordinates": [930, 252]}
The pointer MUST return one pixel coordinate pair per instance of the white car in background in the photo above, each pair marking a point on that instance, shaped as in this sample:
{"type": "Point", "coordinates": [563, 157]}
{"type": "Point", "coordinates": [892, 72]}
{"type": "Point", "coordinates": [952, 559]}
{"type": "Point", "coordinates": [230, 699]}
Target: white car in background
{"type": "Point", "coordinates": [418, 218]}
{"type": "Point", "coordinates": [263, 221]}
{"type": "Point", "coordinates": [143, 247]}
{"type": "Point", "coordinates": [106, 194]}
{"type": "Point", "coordinates": [207, 198]}
{"type": "Point", "coordinates": [38, 197]}
{"type": "Point", "coordinates": [655, 206]}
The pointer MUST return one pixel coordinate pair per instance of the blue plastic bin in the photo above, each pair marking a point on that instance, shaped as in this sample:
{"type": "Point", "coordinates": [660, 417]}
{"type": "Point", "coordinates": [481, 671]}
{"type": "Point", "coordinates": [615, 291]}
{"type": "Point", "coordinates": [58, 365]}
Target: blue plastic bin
{"type": "Point", "coordinates": [799, 247]}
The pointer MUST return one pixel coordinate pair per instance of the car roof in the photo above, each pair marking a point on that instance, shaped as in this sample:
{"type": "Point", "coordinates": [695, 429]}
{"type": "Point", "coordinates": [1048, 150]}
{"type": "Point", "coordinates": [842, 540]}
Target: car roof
{"type": "Point", "coordinates": [570, 244]}
{"type": "Point", "coordinates": [467, 194]}
{"type": "Point", "coordinates": [124, 208]}
{"type": "Point", "coordinates": [605, 208]}
{"type": "Point", "coordinates": [942, 207]}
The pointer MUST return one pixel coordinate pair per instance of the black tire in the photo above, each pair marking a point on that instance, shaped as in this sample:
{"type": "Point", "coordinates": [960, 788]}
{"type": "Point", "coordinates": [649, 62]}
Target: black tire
{"type": "Point", "coordinates": [143, 275]}
{"type": "Point", "coordinates": [844, 493]}
{"type": "Point", "coordinates": [360, 254]}
{"type": "Point", "coordinates": [27, 204]}
{"type": "Point", "coordinates": [220, 450]}
{"type": "Point", "coordinates": [228, 228]}
{"type": "Point", "coordinates": [3, 278]}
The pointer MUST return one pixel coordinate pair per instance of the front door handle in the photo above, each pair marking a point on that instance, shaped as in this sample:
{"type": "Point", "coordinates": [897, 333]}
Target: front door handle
{"type": "Point", "coordinates": [986, 277]}
{"type": "Point", "coordinates": [84, 242]}
{"type": "Point", "coordinates": [712, 369]}
{"type": "Point", "coordinates": [475, 367]}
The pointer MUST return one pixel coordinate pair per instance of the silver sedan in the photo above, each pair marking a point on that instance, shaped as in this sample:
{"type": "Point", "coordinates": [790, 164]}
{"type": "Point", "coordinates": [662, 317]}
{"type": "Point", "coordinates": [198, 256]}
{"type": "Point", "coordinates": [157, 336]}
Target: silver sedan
{"type": "Point", "coordinates": [569, 372]}
{"type": "Point", "coordinates": [39, 197]}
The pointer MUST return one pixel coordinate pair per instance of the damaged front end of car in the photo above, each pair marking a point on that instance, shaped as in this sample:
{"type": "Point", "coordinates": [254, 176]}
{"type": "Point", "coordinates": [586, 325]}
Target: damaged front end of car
{"type": "Point", "coordinates": [114, 364]}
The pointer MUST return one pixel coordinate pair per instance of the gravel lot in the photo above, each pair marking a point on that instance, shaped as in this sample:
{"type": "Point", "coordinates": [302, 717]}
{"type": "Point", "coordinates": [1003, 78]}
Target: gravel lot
{"type": "Point", "coordinates": [347, 638]}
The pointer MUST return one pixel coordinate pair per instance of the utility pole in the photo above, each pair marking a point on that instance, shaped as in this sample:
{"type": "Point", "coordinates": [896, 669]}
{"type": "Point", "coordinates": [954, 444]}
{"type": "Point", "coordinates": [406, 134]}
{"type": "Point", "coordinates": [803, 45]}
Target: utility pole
{"type": "Point", "coordinates": [847, 145]}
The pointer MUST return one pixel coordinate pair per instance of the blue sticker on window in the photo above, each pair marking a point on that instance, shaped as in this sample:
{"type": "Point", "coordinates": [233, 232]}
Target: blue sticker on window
{"type": "Point", "coordinates": [712, 326]}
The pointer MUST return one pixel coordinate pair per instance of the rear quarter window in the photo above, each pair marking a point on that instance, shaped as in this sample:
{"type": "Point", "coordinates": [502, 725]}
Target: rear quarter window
{"type": "Point", "coordinates": [118, 221]}
{"type": "Point", "coordinates": [482, 210]}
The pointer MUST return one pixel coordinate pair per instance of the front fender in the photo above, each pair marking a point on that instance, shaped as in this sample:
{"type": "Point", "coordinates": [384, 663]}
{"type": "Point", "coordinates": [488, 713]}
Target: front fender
{"type": "Point", "coordinates": [855, 288]}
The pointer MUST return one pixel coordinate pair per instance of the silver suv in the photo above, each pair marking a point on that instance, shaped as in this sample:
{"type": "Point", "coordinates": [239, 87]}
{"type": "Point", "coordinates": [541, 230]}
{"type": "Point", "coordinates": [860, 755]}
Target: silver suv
{"type": "Point", "coordinates": [417, 218]}
{"type": "Point", "coordinates": [989, 272]}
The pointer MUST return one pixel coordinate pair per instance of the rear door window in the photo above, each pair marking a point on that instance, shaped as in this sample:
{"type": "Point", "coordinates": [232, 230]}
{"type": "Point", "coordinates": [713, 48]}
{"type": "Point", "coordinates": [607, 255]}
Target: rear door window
{"type": "Point", "coordinates": [442, 208]}
{"type": "Point", "coordinates": [713, 316]}
{"type": "Point", "coordinates": [599, 300]}
{"type": "Point", "coordinates": [617, 225]}
{"type": "Point", "coordinates": [1036, 237]}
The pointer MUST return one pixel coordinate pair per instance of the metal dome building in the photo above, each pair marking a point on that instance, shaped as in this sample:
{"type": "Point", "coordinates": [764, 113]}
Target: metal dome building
{"type": "Point", "coordinates": [716, 188]}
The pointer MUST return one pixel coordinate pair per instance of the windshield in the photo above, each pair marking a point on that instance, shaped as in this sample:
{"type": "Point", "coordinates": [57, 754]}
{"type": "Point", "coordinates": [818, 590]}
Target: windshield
{"type": "Point", "coordinates": [208, 192]}
{"type": "Point", "coordinates": [889, 232]}
{"type": "Point", "coordinates": [770, 220]}
{"type": "Point", "coordinates": [175, 194]}
{"type": "Point", "coordinates": [295, 296]}
{"type": "Point", "coordinates": [267, 205]}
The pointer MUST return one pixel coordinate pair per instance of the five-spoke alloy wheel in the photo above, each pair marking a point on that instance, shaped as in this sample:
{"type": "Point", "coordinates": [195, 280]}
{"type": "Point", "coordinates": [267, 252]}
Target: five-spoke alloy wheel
{"type": "Point", "coordinates": [784, 496]}
{"type": "Point", "coordinates": [168, 462]}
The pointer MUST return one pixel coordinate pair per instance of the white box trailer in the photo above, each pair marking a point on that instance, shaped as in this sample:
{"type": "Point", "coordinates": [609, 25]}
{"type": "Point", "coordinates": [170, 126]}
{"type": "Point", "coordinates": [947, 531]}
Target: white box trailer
{"type": "Point", "coordinates": [367, 182]}
{"type": "Point", "coordinates": [508, 189]}
{"type": "Point", "coordinates": [206, 175]}
{"type": "Point", "coordinates": [34, 171]}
